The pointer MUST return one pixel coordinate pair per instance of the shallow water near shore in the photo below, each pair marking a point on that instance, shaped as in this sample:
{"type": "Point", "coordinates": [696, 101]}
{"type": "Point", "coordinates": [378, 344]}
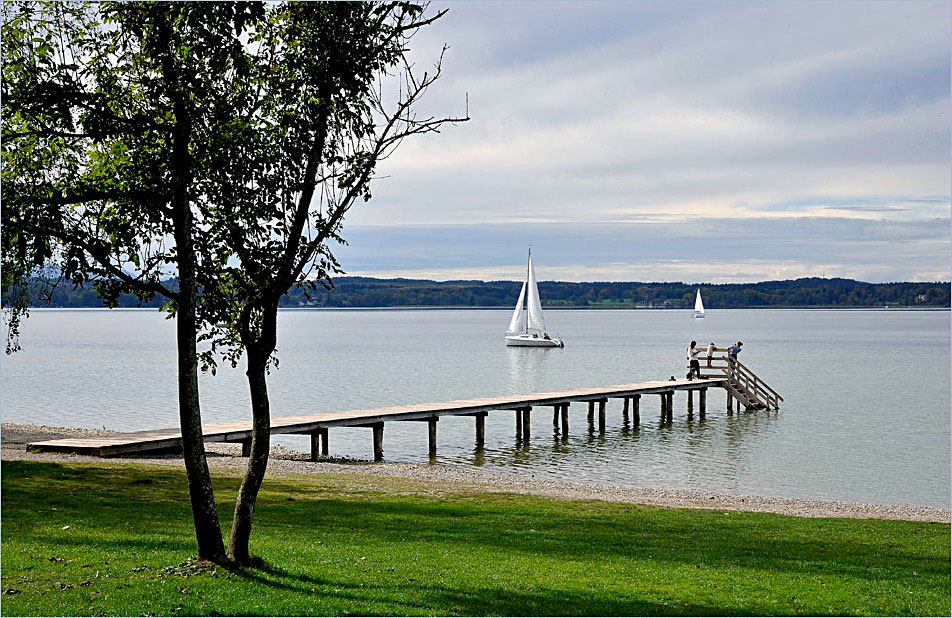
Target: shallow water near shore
{"type": "Point", "coordinates": [866, 415]}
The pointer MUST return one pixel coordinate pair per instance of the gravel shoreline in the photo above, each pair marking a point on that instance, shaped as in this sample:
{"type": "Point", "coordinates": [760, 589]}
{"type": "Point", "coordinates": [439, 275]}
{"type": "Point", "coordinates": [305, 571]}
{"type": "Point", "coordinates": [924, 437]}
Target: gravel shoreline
{"type": "Point", "coordinates": [440, 478]}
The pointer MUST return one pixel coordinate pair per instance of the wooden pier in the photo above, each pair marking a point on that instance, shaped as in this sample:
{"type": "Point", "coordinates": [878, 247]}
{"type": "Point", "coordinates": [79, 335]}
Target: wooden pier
{"type": "Point", "coordinates": [742, 385]}
{"type": "Point", "coordinates": [317, 425]}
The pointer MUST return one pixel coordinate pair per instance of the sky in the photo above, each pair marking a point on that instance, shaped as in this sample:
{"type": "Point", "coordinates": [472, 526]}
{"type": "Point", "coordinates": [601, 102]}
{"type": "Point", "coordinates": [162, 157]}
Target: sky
{"type": "Point", "coordinates": [677, 141]}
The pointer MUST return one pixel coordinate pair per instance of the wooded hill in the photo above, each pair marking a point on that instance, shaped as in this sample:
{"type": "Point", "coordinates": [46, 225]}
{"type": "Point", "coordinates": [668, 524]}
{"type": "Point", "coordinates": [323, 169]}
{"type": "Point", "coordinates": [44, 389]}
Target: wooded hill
{"type": "Point", "coordinates": [369, 293]}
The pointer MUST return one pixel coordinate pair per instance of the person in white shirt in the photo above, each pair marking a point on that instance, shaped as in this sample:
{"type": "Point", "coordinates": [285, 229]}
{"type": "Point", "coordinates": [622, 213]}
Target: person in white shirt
{"type": "Point", "coordinates": [695, 370]}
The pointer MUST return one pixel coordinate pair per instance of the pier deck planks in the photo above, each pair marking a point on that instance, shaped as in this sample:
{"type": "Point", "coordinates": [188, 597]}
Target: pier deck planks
{"type": "Point", "coordinates": [140, 441]}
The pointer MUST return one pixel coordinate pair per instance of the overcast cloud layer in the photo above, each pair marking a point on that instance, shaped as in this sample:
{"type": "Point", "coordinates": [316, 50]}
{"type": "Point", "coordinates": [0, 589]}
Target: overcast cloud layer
{"type": "Point", "coordinates": [674, 141]}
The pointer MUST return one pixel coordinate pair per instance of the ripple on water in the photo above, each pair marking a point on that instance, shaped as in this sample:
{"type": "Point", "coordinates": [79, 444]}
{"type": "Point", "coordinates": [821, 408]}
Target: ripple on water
{"type": "Point", "coordinates": [846, 431]}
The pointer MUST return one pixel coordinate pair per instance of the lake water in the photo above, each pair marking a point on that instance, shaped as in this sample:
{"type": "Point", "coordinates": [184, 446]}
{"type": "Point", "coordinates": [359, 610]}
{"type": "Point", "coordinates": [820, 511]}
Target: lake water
{"type": "Point", "coordinates": [866, 416]}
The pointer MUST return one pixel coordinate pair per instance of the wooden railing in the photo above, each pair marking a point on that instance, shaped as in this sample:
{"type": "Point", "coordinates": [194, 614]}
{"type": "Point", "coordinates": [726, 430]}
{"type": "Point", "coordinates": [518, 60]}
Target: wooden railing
{"type": "Point", "coordinates": [743, 383]}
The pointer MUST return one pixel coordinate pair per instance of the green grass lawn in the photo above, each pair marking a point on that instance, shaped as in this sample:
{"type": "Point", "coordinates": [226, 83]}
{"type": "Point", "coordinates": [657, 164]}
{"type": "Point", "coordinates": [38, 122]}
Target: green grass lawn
{"type": "Point", "coordinates": [82, 539]}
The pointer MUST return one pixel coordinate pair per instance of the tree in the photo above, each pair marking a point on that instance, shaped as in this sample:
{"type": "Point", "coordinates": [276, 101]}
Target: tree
{"type": "Point", "coordinates": [225, 142]}
{"type": "Point", "coordinates": [298, 149]}
{"type": "Point", "coordinates": [103, 105]}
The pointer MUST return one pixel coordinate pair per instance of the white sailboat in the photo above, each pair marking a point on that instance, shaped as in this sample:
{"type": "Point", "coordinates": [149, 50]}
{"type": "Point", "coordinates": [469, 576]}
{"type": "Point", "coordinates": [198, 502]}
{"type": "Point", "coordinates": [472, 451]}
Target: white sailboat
{"type": "Point", "coordinates": [698, 305]}
{"type": "Point", "coordinates": [527, 327]}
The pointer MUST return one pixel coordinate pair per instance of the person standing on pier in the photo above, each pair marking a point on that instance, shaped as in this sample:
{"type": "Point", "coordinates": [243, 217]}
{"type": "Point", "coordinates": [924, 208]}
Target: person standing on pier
{"type": "Point", "coordinates": [710, 353]}
{"type": "Point", "coordinates": [732, 353]}
{"type": "Point", "coordinates": [695, 370]}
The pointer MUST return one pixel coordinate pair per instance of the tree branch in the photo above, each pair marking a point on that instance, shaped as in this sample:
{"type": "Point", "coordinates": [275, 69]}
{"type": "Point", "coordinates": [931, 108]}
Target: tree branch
{"type": "Point", "coordinates": [101, 256]}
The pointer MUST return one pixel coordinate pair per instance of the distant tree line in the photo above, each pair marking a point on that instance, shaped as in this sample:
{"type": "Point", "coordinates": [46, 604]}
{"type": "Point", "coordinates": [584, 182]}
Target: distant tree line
{"type": "Point", "coordinates": [369, 293]}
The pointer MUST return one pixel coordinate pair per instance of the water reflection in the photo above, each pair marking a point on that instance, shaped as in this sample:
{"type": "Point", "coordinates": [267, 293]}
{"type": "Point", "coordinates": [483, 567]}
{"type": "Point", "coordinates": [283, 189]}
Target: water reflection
{"type": "Point", "coordinates": [524, 366]}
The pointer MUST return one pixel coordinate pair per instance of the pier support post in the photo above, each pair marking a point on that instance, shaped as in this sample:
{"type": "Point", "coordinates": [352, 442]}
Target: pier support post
{"type": "Point", "coordinates": [431, 426]}
{"type": "Point", "coordinates": [690, 404]}
{"type": "Point", "coordinates": [555, 416]}
{"type": "Point", "coordinates": [591, 413]}
{"type": "Point", "coordinates": [565, 419]}
{"type": "Point", "coordinates": [624, 411]}
{"type": "Point", "coordinates": [601, 415]}
{"type": "Point", "coordinates": [519, 423]}
{"type": "Point", "coordinates": [635, 409]}
{"type": "Point", "coordinates": [730, 403]}
{"type": "Point", "coordinates": [664, 406]}
{"type": "Point", "coordinates": [323, 433]}
{"type": "Point", "coordinates": [480, 429]}
{"type": "Point", "coordinates": [246, 448]}
{"type": "Point", "coordinates": [378, 441]}
{"type": "Point", "coordinates": [525, 423]}
{"type": "Point", "coordinates": [702, 402]}
{"type": "Point", "coordinates": [670, 406]}
{"type": "Point", "coordinates": [315, 445]}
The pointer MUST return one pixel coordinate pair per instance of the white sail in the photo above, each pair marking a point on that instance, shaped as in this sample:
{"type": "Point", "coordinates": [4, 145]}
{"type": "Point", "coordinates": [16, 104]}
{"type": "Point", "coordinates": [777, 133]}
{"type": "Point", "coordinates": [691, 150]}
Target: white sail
{"type": "Point", "coordinates": [527, 328]}
{"type": "Point", "coordinates": [518, 322]}
{"type": "Point", "coordinates": [536, 322]}
{"type": "Point", "coordinates": [698, 305]}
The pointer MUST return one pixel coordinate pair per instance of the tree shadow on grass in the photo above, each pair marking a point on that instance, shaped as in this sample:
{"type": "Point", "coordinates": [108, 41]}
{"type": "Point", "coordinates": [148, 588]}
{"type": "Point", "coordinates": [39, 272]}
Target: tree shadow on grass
{"type": "Point", "coordinates": [120, 545]}
{"type": "Point", "coordinates": [425, 597]}
{"type": "Point", "coordinates": [751, 541]}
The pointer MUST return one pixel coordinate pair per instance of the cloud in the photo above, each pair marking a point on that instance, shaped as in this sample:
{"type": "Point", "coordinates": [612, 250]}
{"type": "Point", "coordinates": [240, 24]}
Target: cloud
{"type": "Point", "coordinates": [660, 248]}
{"type": "Point", "coordinates": [587, 113]}
{"type": "Point", "coordinates": [748, 271]}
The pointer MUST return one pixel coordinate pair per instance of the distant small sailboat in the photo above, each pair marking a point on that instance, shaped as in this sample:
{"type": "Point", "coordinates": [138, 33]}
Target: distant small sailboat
{"type": "Point", "coordinates": [698, 305]}
{"type": "Point", "coordinates": [527, 327]}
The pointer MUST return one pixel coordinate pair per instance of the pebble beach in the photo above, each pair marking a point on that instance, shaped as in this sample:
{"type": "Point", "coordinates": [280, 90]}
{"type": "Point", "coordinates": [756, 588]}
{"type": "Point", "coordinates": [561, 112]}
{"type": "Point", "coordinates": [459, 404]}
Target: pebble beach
{"type": "Point", "coordinates": [437, 478]}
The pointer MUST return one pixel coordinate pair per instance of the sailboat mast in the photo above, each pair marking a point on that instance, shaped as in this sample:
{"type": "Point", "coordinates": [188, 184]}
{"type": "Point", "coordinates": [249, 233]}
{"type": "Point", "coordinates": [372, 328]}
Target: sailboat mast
{"type": "Point", "coordinates": [528, 264]}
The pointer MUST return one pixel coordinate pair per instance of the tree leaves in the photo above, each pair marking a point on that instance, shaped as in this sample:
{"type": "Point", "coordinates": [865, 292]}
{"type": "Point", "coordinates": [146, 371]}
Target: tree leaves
{"type": "Point", "coordinates": [285, 107]}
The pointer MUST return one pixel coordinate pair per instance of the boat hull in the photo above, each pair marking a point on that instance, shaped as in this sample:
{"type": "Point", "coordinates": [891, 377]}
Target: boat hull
{"type": "Point", "coordinates": [533, 342]}
{"type": "Point", "coordinates": [698, 315]}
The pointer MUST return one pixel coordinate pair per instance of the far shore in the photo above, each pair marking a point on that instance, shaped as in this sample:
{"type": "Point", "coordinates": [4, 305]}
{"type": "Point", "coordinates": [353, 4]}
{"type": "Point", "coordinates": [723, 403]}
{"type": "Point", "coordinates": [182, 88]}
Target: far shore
{"type": "Point", "coordinates": [546, 307]}
{"type": "Point", "coordinates": [440, 479]}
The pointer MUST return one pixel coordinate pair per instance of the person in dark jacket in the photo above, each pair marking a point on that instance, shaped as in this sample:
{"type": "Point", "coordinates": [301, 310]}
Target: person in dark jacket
{"type": "Point", "coordinates": [732, 353]}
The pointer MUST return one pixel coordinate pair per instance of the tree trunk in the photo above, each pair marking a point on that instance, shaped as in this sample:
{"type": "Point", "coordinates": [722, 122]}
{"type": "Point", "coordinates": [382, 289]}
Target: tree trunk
{"type": "Point", "coordinates": [258, 355]}
{"type": "Point", "coordinates": [204, 511]}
